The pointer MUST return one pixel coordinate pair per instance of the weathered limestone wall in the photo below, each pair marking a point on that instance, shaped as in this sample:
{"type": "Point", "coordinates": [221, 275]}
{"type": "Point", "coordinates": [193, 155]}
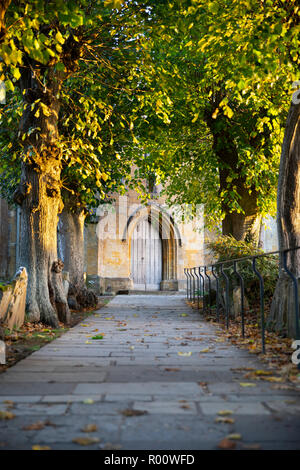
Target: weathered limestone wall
{"type": "Point", "coordinates": [268, 235]}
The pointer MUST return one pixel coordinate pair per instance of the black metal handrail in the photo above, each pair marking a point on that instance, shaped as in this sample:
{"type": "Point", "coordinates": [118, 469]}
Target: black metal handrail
{"type": "Point", "coordinates": [217, 271]}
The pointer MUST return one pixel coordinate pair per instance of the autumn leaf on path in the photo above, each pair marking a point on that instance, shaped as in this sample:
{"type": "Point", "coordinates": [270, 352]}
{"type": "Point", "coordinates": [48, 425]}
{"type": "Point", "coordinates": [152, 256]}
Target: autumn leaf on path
{"type": "Point", "coordinates": [110, 446]}
{"type": "Point", "coordinates": [251, 446]}
{"type": "Point", "coordinates": [90, 428]}
{"type": "Point", "coordinates": [225, 412]}
{"type": "Point", "coordinates": [34, 426]}
{"type": "Point", "coordinates": [226, 444]}
{"type": "Point", "coordinates": [263, 372]}
{"type": "Point", "coordinates": [130, 413]}
{"type": "Point", "coordinates": [185, 354]}
{"type": "Point", "coordinates": [221, 419]}
{"type": "Point", "coordinates": [272, 379]}
{"type": "Point", "coordinates": [234, 437]}
{"type": "Point", "coordinates": [88, 401]}
{"type": "Point", "coordinates": [247, 384]}
{"type": "Point", "coordinates": [172, 369]}
{"type": "Point", "coordinates": [6, 415]}
{"type": "Point", "coordinates": [37, 447]}
{"type": "Point", "coordinates": [86, 441]}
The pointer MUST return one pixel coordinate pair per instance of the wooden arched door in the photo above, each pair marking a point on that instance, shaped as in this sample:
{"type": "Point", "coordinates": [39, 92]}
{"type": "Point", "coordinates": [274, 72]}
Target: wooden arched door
{"type": "Point", "coordinates": [146, 257]}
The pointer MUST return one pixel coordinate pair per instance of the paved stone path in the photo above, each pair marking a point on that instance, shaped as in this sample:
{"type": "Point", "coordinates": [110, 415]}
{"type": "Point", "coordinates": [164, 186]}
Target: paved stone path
{"type": "Point", "coordinates": [75, 381]}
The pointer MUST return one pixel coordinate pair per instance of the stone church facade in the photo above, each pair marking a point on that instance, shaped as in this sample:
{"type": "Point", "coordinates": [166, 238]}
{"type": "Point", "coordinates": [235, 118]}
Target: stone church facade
{"type": "Point", "coordinates": [130, 246]}
{"type": "Point", "coordinates": [141, 247]}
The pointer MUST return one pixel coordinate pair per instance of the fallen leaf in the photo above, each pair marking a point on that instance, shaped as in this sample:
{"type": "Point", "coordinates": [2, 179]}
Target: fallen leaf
{"type": "Point", "coordinates": [110, 446]}
{"type": "Point", "coordinates": [9, 404]}
{"type": "Point", "coordinates": [273, 379]}
{"type": "Point", "coordinates": [186, 354]}
{"type": "Point", "coordinates": [34, 426]}
{"type": "Point", "coordinates": [129, 412]}
{"type": "Point", "coordinates": [6, 415]}
{"type": "Point", "coordinates": [85, 441]}
{"type": "Point", "coordinates": [247, 384]}
{"type": "Point", "coordinates": [183, 315]}
{"type": "Point", "coordinates": [226, 444]}
{"type": "Point", "coordinates": [234, 436]}
{"type": "Point", "coordinates": [263, 372]}
{"type": "Point", "coordinates": [97, 337]}
{"type": "Point", "coordinates": [88, 401]}
{"type": "Point", "coordinates": [90, 428]}
{"type": "Point", "coordinates": [37, 447]}
{"type": "Point", "coordinates": [251, 446]}
{"type": "Point", "coordinates": [172, 369]}
{"type": "Point", "coordinates": [205, 350]}
{"type": "Point", "coordinates": [225, 420]}
{"type": "Point", "coordinates": [225, 412]}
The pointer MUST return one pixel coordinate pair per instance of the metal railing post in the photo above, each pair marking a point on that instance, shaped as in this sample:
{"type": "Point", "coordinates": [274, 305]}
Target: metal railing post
{"type": "Point", "coordinates": [242, 287]}
{"type": "Point", "coordinates": [217, 292]}
{"type": "Point", "coordinates": [227, 301]}
{"type": "Point", "coordinates": [262, 306]}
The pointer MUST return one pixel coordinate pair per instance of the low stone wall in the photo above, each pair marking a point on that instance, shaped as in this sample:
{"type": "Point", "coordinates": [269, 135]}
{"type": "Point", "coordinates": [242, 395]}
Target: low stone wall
{"type": "Point", "coordinates": [13, 300]}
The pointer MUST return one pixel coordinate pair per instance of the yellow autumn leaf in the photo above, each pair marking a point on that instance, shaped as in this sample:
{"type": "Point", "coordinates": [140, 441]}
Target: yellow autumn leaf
{"type": "Point", "coordinates": [88, 401]}
{"type": "Point", "coordinates": [234, 436]}
{"type": "Point", "coordinates": [37, 447]}
{"type": "Point", "coordinates": [247, 384]}
{"type": "Point", "coordinates": [221, 419]}
{"type": "Point", "coordinates": [225, 412]}
{"type": "Point", "coordinates": [86, 441]}
{"type": "Point", "coordinates": [186, 354]}
{"type": "Point", "coordinates": [263, 372]}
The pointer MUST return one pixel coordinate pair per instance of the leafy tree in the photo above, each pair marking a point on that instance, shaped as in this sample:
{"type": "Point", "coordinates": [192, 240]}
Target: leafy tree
{"type": "Point", "coordinates": [46, 44]}
{"type": "Point", "coordinates": [251, 49]}
{"type": "Point", "coordinates": [218, 134]}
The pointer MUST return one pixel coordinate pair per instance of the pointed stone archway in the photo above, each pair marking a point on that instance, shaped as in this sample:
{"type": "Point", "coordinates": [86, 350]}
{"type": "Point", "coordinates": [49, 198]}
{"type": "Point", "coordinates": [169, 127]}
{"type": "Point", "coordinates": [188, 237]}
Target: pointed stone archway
{"type": "Point", "coordinates": [159, 222]}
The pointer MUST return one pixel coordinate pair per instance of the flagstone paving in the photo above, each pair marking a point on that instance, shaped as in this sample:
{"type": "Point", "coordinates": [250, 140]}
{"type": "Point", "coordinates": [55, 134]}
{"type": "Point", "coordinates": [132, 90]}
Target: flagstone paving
{"type": "Point", "coordinates": [170, 369]}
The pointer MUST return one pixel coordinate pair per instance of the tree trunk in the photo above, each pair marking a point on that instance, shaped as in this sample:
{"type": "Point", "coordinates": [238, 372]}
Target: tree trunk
{"type": "Point", "coordinates": [40, 199]}
{"type": "Point", "coordinates": [71, 245]}
{"type": "Point", "coordinates": [71, 250]}
{"type": "Point", "coordinates": [282, 316]}
{"type": "Point", "coordinates": [241, 225]}
{"type": "Point", "coordinates": [38, 248]}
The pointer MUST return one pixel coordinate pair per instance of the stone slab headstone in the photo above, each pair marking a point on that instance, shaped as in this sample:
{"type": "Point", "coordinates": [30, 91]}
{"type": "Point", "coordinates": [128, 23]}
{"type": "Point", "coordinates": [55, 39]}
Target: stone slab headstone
{"type": "Point", "coordinates": [13, 301]}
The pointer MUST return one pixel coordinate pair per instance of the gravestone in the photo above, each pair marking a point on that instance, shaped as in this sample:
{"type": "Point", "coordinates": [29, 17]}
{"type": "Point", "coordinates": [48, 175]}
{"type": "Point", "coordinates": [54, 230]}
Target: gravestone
{"type": "Point", "coordinates": [13, 300]}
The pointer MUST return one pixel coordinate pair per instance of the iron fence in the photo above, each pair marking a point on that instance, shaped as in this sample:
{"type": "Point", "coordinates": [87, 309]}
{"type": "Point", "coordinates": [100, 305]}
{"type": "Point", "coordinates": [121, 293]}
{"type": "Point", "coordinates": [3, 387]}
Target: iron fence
{"type": "Point", "coordinates": [212, 286]}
